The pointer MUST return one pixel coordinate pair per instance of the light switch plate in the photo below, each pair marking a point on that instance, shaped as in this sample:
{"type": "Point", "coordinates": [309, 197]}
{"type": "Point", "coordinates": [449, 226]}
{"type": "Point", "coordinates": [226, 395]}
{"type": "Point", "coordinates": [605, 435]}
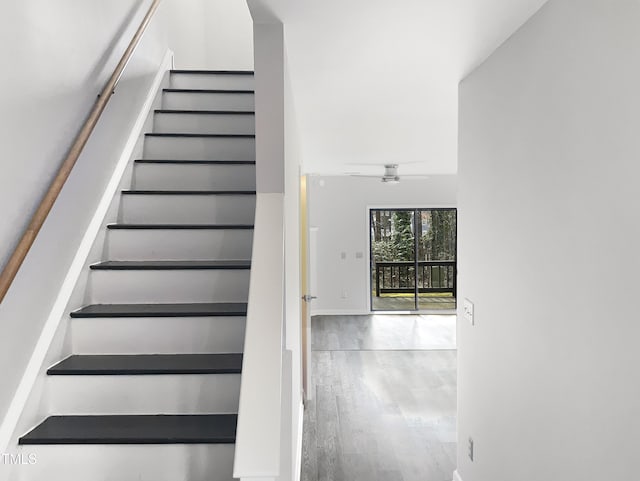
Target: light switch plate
{"type": "Point", "coordinates": [467, 310]}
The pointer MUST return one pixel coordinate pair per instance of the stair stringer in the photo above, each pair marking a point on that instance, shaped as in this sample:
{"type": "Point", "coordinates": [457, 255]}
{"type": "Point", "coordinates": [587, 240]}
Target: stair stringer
{"type": "Point", "coordinates": [31, 401]}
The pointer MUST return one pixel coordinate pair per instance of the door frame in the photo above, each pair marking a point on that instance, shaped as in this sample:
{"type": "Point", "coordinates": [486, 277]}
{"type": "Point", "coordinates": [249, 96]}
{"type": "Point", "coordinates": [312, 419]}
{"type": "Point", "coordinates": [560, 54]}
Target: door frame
{"type": "Point", "coordinates": [367, 265]}
{"type": "Point", "coordinates": [305, 307]}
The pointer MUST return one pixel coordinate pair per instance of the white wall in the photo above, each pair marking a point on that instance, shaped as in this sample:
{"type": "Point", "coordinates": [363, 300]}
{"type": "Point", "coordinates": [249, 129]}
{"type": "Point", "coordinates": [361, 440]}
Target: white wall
{"type": "Point", "coordinates": [549, 233]}
{"type": "Point", "coordinates": [339, 208]}
{"type": "Point", "coordinates": [269, 106]}
{"type": "Point", "coordinates": [278, 159]}
{"type": "Point", "coordinates": [57, 57]}
{"type": "Point", "coordinates": [293, 159]}
{"type": "Point", "coordinates": [210, 34]}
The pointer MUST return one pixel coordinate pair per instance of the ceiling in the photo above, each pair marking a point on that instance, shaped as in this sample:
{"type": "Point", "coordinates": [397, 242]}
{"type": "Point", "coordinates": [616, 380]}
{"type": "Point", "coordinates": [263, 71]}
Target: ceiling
{"type": "Point", "coordinates": [376, 81]}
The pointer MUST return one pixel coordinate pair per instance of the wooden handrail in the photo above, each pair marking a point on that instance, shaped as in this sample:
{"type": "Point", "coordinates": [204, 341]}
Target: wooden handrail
{"type": "Point", "coordinates": [22, 249]}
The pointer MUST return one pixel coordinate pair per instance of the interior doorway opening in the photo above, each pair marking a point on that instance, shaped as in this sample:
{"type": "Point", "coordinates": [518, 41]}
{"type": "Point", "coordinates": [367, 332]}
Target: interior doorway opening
{"type": "Point", "coordinates": [413, 263]}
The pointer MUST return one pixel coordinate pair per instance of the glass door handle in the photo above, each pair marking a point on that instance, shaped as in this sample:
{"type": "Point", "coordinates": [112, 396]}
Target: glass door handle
{"type": "Point", "coordinates": [308, 298]}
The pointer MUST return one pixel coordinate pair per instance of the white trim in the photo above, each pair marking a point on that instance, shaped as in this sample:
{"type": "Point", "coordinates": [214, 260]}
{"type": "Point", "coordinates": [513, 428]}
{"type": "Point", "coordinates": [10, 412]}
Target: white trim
{"type": "Point", "coordinates": [308, 393]}
{"type": "Point", "coordinates": [57, 312]}
{"type": "Point", "coordinates": [456, 476]}
{"type": "Point", "coordinates": [298, 466]}
{"type": "Point", "coordinates": [360, 312]}
{"type": "Point", "coordinates": [367, 264]}
{"type": "Point", "coordinates": [431, 312]}
{"type": "Point", "coordinates": [340, 312]}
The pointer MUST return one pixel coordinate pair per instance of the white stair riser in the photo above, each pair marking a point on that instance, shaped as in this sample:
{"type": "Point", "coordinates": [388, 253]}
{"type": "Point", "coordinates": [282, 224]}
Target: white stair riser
{"type": "Point", "coordinates": [200, 148]}
{"type": "Point", "coordinates": [207, 101]}
{"type": "Point", "coordinates": [144, 394]}
{"type": "Point", "coordinates": [179, 244]}
{"type": "Point", "coordinates": [118, 462]}
{"type": "Point", "coordinates": [188, 209]}
{"type": "Point", "coordinates": [155, 286]}
{"type": "Point", "coordinates": [204, 123]}
{"type": "Point", "coordinates": [211, 81]}
{"type": "Point", "coordinates": [194, 177]}
{"type": "Point", "coordinates": [158, 335]}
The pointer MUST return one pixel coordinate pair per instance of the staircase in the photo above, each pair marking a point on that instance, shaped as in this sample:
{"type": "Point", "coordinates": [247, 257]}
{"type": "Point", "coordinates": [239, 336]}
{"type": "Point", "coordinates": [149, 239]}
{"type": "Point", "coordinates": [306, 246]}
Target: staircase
{"type": "Point", "coordinates": [151, 391]}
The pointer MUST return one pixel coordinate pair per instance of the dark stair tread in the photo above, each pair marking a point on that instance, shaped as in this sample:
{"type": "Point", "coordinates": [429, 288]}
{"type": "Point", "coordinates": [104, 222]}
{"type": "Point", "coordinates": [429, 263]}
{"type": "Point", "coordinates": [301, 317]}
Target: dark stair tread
{"type": "Point", "coordinates": [215, 72]}
{"type": "Point", "coordinates": [189, 192]}
{"type": "Point", "coordinates": [171, 265]}
{"type": "Point", "coordinates": [174, 134]}
{"type": "Point", "coordinates": [205, 112]}
{"type": "Point", "coordinates": [204, 309]}
{"type": "Point", "coordinates": [134, 429]}
{"type": "Point", "coordinates": [140, 364]}
{"type": "Point", "coordinates": [209, 91]}
{"type": "Point", "coordinates": [180, 226]}
{"type": "Point", "coordinates": [202, 162]}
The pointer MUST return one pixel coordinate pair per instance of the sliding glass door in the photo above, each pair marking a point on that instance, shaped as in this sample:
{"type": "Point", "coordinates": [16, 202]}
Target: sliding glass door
{"type": "Point", "coordinates": [413, 259]}
{"type": "Point", "coordinates": [393, 260]}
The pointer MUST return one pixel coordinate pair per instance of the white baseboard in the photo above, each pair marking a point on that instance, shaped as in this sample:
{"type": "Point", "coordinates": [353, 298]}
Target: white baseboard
{"type": "Point", "coordinates": [359, 312]}
{"type": "Point", "coordinates": [456, 476]}
{"type": "Point", "coordinates": [339, 312]}
{"type": "Point", "coordinates": [12, 417]}
{"type": "Point", "coordinates": [298, 466]}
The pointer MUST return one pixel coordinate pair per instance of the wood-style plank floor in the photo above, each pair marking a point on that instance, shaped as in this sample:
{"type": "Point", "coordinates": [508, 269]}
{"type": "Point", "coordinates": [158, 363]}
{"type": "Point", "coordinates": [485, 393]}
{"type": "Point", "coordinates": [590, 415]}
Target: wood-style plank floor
{"type": "Point", "coordinates": [383, 407]}
{"type": "Point", "coordinates": [378, 332]}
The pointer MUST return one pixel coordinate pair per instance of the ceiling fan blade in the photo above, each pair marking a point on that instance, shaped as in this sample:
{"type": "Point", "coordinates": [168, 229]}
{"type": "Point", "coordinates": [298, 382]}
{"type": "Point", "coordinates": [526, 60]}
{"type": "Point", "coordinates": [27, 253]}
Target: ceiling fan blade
{"type": "Point", "coordinates": [382, 164]}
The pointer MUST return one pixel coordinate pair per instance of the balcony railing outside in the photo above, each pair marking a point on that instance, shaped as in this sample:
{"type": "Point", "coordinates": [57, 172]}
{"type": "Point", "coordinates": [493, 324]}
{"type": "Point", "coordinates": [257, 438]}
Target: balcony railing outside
{"type": "Point", "coordinates": [399, 277]}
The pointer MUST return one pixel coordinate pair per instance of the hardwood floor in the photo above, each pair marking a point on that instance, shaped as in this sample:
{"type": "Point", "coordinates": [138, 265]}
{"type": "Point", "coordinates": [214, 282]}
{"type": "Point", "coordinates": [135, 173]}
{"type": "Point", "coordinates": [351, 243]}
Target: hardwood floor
{"type": "Point", "coordinates": [383, 407]}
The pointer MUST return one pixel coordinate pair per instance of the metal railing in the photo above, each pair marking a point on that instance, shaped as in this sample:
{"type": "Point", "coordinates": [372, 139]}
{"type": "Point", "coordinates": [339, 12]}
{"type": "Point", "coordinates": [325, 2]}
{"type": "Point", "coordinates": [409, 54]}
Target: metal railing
{"type": "Point", "coordinates": [400, 277]}
{"type": "Point", "coordinates": [37, 220]}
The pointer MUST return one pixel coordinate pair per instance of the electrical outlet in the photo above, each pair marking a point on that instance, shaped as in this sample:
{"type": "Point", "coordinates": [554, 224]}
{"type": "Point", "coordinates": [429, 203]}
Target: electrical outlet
{"type": "Point", "coordinates": [467, 310]}
{"type": "Point", "coordinates": [344, 294]}
{"type": "Point", "coordinates": [471, 449]}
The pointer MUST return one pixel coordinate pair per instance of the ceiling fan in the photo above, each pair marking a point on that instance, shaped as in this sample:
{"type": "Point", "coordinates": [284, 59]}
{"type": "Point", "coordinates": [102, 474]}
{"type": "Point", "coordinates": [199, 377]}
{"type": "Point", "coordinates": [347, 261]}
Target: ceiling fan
{"type": "Point", "coordinates": [390, 175]}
